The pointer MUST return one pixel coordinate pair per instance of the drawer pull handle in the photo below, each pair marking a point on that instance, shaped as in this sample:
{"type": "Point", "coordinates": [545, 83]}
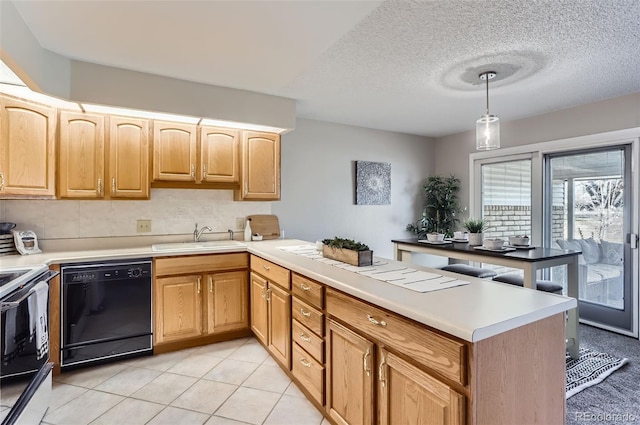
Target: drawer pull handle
{"type": "Point", "coordinates": [99, 190]}
{"type": "Point", "coordinates": [210, 284]}
{"type": "Point", "coordinates": [204, 171]}
{"type": "Point", "coordinates": [193, 171]}
{"type": "Point", "coordinates": [381, 372]}
{"type": "Point", "coordinates": [198, 285]}
{"type": "Point", "coordinates": [113, 186]}
{"type": "Point", "coordinates": [304, 287]}
{"type": "Point", "coordinates": [305, 363]}
{"type": "Point", "coordinates": [268, 295]}
{"type": "Point", "coordinates": [266, 267]}
{"type": "Point", "coordinates": [1, 182]}
{"type": "Point", "coordinates": [305, 313]}
{"type": "Point", "coordinates": [365, 363]}
{"type": "Point", "coordinates": [305, 338]}
{"type": "Point", "coordinates": [376, 322]}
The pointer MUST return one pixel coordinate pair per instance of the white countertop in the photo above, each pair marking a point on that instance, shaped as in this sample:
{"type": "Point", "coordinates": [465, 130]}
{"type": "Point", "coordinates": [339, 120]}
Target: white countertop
{"type": "Point", "coordinates": [471, 312]}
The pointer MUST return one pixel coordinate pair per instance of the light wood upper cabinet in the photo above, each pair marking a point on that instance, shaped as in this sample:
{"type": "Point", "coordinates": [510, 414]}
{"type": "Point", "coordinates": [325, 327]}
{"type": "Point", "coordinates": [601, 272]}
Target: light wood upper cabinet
{"type": "Point", "coordinates": [81, 155]}
{"type": "Point", "coordinates": [27, 149]}
{"type": "Point", "coordinates": [350, 376]}
{"type": "Point", "coordinates": [128, 158]}
{"type": "Point", "coordinates": [219, 155]}
{"type": "Point", "coordinates": [260, 177]}
{"type": "Point", "coordinates": [408, 395]}
{"type": "Point", "coordinates": [174, 151]}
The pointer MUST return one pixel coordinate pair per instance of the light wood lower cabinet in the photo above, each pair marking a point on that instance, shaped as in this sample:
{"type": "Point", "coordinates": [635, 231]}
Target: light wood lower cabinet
{"type": "Point", "coordinates": [271, 318]}
{"type": "Point", "coordinates": [196, 305]}
{"type": "Point", "coordinates": [408, 395]}
{"type": "Point", "coordinates": [350, 376]}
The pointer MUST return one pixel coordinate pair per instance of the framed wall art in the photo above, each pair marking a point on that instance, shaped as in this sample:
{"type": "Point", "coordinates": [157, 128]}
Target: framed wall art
{"type": "Point", "coordinates": [373, 183]}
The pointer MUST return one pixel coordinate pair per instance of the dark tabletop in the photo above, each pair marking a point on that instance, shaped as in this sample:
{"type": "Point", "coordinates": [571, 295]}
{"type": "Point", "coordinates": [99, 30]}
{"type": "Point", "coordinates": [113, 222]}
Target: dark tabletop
{"type": "Point", "coordinates": [530, 255]}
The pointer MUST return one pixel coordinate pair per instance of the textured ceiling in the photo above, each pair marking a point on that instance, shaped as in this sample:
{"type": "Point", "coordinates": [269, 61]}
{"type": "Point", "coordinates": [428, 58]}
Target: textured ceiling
{"type": "Point", "coordinates": [395, 65]}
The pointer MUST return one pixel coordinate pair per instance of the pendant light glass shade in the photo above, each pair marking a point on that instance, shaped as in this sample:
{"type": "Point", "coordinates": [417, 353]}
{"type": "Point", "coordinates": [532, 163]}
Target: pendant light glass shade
{"type": "Point", "coordinates": [487, 133]}
{"type": "Point", "coordinates": [488, 126]}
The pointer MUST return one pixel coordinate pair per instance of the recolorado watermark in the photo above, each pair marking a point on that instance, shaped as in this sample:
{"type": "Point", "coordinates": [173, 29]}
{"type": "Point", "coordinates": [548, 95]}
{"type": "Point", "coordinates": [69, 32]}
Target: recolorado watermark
{"type": "Point", "coordinates": [606, 417]}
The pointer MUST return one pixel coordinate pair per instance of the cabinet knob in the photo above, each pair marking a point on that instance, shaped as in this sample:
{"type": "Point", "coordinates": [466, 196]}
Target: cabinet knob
{"type": "Point", "coordinates": [210, 284]}
{"type": "Point", "coordinates": [99, 186]}
{"type": "Point", "coordinates": [113, 186]}
{"type": "Point", "coordinates": [365, 362]}
{"type": "Point", "coordinates": [198, 284]}
{"type": "Point", "coordinates": [193, 171]}
{"type": "Point", "coordinates": [375, 321]}
{"type": "Point", "coordinates": [305, 363]}
{"type": "Point", "coordinates": [1, 182]}
{"type": "Point", "coordinates": [305, 337]}
{"type": "Point", "coordinates": [381, 377]}
{"type": "Point", "coordinates": [305, 313]}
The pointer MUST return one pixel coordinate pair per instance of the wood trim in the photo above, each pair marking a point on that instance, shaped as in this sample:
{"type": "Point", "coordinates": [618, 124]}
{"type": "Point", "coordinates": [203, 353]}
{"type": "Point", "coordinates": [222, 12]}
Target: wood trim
{"type": "Point", "coordinates": [198, 341]}
{"type": "Point", "coordinates": [204, 263]}
{"type": "Point", "coordinates": [54, 320]}
{"type": "Point", "coordinates": [518, 376]}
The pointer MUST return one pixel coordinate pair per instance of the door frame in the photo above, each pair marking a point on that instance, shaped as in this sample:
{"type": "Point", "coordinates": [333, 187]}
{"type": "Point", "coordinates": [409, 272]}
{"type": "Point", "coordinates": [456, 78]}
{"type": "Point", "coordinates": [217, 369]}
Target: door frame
{"type": "Point", "coordinates": [537, 151]}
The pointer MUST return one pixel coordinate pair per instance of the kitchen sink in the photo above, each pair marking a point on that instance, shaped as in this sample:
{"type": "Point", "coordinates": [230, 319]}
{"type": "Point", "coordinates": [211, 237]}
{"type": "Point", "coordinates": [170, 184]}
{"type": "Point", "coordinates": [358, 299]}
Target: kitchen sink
{"type": "Point", "coordinates": [196, 246]}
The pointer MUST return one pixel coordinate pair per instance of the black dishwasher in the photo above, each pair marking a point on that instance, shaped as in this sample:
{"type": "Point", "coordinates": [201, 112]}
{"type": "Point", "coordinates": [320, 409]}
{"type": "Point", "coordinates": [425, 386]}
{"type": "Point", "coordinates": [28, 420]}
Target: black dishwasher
{"type": "Point", "coordinates": [105, 311]}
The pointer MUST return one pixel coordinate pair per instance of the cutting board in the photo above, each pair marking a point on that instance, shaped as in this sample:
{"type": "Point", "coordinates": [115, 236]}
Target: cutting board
{"type": "Point", "coordinates": [266, 225]}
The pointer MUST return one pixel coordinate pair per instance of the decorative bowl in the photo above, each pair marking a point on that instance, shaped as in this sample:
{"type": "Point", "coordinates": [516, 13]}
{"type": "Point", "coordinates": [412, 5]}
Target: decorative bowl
{"type": "Point", "coordinates": [435, 237]}
{"type": "Point", "coordinates": [6, 227]}
{"type": "Point", "coordinates": [493, 243]}
{"type": "Point", "coordinates": [519, 240]}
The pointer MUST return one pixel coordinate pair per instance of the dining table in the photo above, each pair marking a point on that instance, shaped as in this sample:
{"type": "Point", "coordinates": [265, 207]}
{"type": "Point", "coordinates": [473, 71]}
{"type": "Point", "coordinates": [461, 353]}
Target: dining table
{"type": "Point", "coordinates": [529, 259]}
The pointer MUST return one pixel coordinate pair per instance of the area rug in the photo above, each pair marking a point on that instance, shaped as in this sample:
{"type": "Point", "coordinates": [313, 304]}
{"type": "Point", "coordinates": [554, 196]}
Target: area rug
{"type": "Point", "coordinates": [590, 369]}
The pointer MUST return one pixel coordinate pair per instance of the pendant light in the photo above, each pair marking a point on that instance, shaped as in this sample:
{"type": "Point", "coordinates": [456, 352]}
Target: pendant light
{"type": "Point", "coordinates": [487, 126]}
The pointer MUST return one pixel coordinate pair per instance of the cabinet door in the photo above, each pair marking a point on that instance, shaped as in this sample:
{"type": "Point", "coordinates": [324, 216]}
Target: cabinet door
{"type": "Point", "coordinates": [174, 151]}
{"type": "Point", "coordinates": [27, 149]}
{"type": "Point", "coordinates": [219, 155]}
{"type": "Point", "coordinates": [259, 310]}
{"type": "Point", "coordinates": [227, 301]}
{"type": "Point", "coordinates": [350, 375]}
{"type": "Point", "coordinates": [81, 158]}
{"type": "Point", "coordinates": [128, 157]}
{"type": "Point", "coordinates": [280, 325]}
{"type": "Point", "coordinates": [260, 167]}
{"type": "Point", "coordinates": [407, 395]}
{"type": "Point", "coordinates": [178, 308]}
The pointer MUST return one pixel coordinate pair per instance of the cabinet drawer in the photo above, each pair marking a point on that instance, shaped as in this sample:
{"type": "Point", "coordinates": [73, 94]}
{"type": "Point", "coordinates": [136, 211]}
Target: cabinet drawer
{"type": "Point", "coordinates": [273, 272]}
{"type": "Point", "coordinates": [446, 356]}
{"type": "Point", "coordinates": [309, 373]}
{"type": "Point", "coordinates": [307, 290]}
{"type": "Point", "coordinates": [192, 264]}
{"type": "Point", "coordinates": [308, 316]}
{"type": "Point", "coordinates": [310, 342]}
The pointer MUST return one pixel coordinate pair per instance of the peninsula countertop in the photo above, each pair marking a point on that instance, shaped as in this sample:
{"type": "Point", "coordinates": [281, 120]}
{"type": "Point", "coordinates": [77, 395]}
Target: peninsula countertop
{"type": "Point", "coordinates": [471, 312]}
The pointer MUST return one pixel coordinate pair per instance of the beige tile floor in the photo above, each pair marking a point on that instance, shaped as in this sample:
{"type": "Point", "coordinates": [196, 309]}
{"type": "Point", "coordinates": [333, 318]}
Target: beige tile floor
{"type": "Point", "coordinates": [232, 382]}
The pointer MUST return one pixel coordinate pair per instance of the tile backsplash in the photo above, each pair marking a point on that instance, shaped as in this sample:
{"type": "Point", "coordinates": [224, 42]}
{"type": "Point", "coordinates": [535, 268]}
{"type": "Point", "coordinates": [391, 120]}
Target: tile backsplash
{"type": "Point", "coordinates": [171, 211]}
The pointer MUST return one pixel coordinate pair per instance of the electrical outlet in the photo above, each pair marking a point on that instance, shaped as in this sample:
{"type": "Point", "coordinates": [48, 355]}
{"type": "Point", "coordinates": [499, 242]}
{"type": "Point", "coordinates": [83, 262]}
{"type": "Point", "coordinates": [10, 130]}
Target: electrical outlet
{"type": "Point", "coordinates": [143, 226]}
{"type": "Point", "coordinates": [239, 223]}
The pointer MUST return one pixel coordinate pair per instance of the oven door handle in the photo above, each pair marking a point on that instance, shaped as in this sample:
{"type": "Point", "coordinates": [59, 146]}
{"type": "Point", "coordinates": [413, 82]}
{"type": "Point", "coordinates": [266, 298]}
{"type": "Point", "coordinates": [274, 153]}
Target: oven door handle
{"type": "Point", "coordinates": [46, 277]}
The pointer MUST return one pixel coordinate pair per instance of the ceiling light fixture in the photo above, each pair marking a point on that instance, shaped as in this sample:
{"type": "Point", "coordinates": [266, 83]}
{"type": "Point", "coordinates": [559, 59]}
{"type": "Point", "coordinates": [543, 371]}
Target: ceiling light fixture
{"type": "Point", "coordinates": [487, 126]}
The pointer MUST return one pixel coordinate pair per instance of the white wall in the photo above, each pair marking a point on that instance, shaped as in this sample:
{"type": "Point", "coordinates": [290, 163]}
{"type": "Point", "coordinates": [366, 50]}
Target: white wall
{"type": "Point", "coordinates": [452, 152]}
{"type": "Point", "coordinates": [318, 183]}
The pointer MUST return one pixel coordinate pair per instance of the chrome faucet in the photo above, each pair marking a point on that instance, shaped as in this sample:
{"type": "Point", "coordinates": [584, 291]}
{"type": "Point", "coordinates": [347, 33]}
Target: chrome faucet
{"type": "Point", "coordinates": [197, 233]}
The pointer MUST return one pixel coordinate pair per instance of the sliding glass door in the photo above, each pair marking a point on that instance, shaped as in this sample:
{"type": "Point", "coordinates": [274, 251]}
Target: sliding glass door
{"type": "Point", "coordinates": [588, 207]}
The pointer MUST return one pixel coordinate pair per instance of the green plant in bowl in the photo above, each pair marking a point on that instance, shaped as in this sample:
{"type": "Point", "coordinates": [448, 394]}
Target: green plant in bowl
{"type": "Point", "coordinates": [474, 225]}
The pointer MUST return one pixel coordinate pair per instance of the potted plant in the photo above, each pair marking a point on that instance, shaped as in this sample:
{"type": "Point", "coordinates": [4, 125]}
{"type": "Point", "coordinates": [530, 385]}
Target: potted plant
{"type": "Point", "coordinates": [441, 207]}
{"type": "Point", "coordinates": [348, 251]}
{"type": "Point", "coordinates": [476, 228]}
